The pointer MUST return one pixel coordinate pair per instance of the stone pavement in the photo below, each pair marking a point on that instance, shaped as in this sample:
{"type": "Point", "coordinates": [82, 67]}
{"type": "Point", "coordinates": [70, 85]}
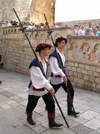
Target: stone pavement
{"type": "Point", "coordinates": [13, 103]}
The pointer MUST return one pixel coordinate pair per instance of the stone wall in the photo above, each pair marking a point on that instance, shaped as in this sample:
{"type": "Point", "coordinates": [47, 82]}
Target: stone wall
{"type": "Point", "coordinates": [15, 49]}
{"type": "Point", "coordinates": [7, 13]}
{"type": "Point", "coordinates": [83, 72]}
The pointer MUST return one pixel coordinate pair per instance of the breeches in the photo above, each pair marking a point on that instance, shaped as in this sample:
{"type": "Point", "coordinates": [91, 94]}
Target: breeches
{"type": "Point", "coordinates": [33, 100]}
{"type": "Point", "coordinates": [66, 88]}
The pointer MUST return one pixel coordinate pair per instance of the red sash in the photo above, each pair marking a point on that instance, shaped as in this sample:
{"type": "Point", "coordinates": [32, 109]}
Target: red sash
{"type": "Point", "coordinates": [40, 89]}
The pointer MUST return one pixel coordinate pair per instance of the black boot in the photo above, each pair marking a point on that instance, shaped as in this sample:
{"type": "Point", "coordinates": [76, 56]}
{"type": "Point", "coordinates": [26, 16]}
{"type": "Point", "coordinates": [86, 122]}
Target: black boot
{"type": "Point", "coordinates": [52, 123]}
{"type": "Point", "coordinates": [70, 111]}
{"type": "Point", "coordinates": [30, 120]}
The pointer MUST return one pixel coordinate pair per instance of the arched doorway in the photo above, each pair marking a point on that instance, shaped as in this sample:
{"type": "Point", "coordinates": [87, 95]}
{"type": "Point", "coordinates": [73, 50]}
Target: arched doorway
{"type": "Point", "coordinates": [39, 7]}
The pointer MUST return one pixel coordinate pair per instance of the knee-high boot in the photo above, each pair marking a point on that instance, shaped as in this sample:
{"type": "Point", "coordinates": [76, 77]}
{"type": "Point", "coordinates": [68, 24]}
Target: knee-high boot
{"type": "Point", "coordinates": [29, 119]}
{"type": "Point", "coordinates": [70, 110]}
{"type": "Point", "coordinates": [52, 123]}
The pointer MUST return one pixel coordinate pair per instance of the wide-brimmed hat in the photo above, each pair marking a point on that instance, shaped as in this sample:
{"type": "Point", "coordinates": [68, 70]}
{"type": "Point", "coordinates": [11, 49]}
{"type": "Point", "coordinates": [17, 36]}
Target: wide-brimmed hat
{"type": "Point", "coordinates": [59, 39]}
{"type": "Point", "coordinates": [42, 46]}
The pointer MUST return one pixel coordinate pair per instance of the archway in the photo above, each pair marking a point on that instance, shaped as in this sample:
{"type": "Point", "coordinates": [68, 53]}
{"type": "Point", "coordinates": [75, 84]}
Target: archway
{"type": "Point", "coordinates": [39, 7]}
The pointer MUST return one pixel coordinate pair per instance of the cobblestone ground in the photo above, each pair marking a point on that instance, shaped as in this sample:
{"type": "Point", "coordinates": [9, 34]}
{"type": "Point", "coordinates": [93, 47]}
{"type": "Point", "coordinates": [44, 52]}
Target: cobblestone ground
{"type": "Point", "coordinates": [13, 102]}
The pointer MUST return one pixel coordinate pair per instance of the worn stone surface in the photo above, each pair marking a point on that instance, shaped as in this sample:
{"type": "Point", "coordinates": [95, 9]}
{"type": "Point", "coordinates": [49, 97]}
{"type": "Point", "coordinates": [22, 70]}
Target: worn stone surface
{"type": "Point", "coordinates": [13, 107]}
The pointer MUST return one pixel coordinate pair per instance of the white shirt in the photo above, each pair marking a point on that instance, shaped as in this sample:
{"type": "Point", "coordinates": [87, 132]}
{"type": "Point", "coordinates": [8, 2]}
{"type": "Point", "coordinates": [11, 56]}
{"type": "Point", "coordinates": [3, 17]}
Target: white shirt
{"type": "Point", "coordinates": [29, 27]}
{"type": "Point", "coordinates": [81, 32]}
{"type": "Point", "coordinates": [8, 25]}
{"type": "Point", "coordinates": [56, 70]}
{"type": "Point", "coordinates": [38, 81]}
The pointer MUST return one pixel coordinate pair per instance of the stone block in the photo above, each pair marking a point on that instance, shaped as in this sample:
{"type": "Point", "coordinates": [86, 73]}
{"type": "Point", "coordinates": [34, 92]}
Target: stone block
{"type": "Point", "coordinates": [81, 76]}
{"type": "Point", "coordinates": [71, 79]}
{"type": "Point", "coordinates": [84, 71]}
{"type": "Point", "coordinates": [96, 74]}
{"type": "Point", "coordinates": [87, 83]}
{"type": "Point", "coordinates": [81, 81]}
{"type": "Point", "coordinates": [97, 80]}
{"type": "Point", "coordinates": [80, 129]}
{"type": "Point", "coordinates": [73, 69]}
{"type": "Point", "coordinates": [98, 69]}
{"type": "Point", "coordinates": [92, 79]}
{"type": "Point", "coordinates": [93, 85]}
{"type": "Point", "coordinates": [86, 77]}
{"type": "Point", "coordinates": [76, 65]}
{"type": "Point", "coordinates": [87, 67]}
{"type": "Point", "coordinates": [71, 64]}
{"type": "Point", "coordinates": [98, 86]}
{"type": "Point", "coordinates": [90, 73]}
{"type": "Point", "coordinates": [81, 66]}
{"type": "Point", "coordinates": [70, 73]}
{"type": "Point", "coordinates": [75, 74]}
{"type": "Point", "coordinates": [92, 68]}
{"type": "Point", "coordinates": [69, 68]}
{"type": "Point", "coordinates": [76, 80]}
{"type": "Point", "coordinates": [79, 70]}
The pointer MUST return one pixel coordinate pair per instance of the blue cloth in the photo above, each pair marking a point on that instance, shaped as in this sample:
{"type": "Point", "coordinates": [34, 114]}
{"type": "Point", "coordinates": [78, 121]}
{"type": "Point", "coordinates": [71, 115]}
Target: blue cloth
{"type": "Point", "coordinates": [34, 63]}
{"type": "Point", "coordinates": [98, 32]}
{"type": "Point", "coordinates": [54, 54]}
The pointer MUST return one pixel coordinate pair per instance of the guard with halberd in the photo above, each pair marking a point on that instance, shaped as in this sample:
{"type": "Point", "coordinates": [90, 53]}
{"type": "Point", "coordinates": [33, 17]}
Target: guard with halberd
{"type": "Point", "coordinates": [59, 77]}
{"type": "Point", "coordinates": [39, 86]}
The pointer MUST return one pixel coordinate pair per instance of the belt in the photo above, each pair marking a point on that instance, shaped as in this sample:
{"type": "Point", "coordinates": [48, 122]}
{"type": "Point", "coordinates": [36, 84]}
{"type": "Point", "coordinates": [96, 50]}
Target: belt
{"type": "Point", "coordinates": [40, 89]}
{"type": "Point", "coordinates": [58, 76]}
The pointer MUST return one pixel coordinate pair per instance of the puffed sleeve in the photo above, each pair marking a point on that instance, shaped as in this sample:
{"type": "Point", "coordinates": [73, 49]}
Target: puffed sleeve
{"type": "Point", "coordinates": [38, 80]}
{"type": "Point", "coordinates": [54, 67]}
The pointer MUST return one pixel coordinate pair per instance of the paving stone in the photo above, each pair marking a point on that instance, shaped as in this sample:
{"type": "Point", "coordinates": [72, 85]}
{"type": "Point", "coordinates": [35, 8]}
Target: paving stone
{"type": "Point", "coordinates": [6, 106]}
{"type": "Point", "coordinates": [25, 96]}
{"type": "Point", "coordinates": [7, 94]}
{"type": "Point", "coordinates": [2, 103]}
{"type": "Point", "coordinates": [98, 130]}
{"type": "Point", "coordinates": [86, 123]}
{"type": "Point", "coordinates": [10, 102]}
{"type": "Point", "coordinates": [39, 109]}
{"type": "Point", "coordinates": [61, 130]}
{"type": "Point", "coordinates": [44, 113]}
{"type": "Point", "coordinates": [46, 125]}
{"type": "Point", "coordinates": [93, 124]}
{"type": "Point", "coordinates": [80, 129]}
{"type": "Point", "coordinates": [24, 103]}
{"type": "Point", "coordinates": [94, 132]}
{"type": "Point", "coordinates": [14, 97]}
{"type": "Point", "coordinates": [70, 122]}
{"type": "Point", "coordinates": [89, 114]}
{"type": "Point", "coordinates": [31, 126]}
{"type": "Point", "coordinates": [19, 99]}
{"type": "Point", "coordinates": [84, 107]}
{"type": "Point", "coordinates": [92, 103]}
{"type": "Point", "coordinates": [39, 129]}
{"type": "Point", "coordinates": [80, 120]}
{"type": "Point", "coordinates": [42, 119]}
{"type": "Point", "coordinates": [98, 117]}
{"type": "Point", "coordinates": [96, 108]}
{"type": "Point", "coordinates": [3, 98]}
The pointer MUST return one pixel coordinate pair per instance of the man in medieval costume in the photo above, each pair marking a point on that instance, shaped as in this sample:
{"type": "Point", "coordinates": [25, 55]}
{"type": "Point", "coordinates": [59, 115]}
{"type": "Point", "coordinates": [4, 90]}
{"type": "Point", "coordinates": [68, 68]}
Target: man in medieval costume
{"type": "Point", "coordinates": [59, 77]}
{"type": "Point", "coordinates": [39, 86]}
